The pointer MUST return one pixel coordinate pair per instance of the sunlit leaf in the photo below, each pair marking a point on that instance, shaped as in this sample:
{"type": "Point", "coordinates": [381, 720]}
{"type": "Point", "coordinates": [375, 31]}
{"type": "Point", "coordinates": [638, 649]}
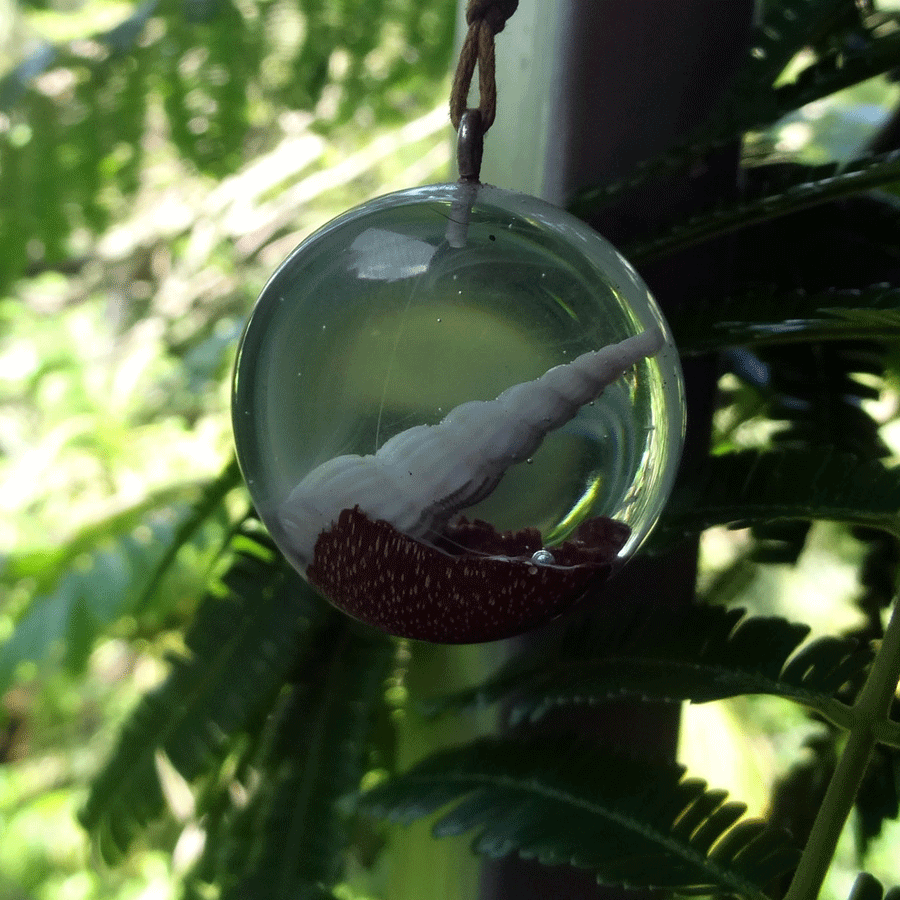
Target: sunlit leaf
{"type": "Point", "coordinates": [753, 102]}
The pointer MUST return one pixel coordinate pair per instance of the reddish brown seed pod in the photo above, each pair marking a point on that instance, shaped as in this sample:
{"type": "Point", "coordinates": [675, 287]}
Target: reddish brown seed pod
{"type": "Point", "coordinates": [481, 585]}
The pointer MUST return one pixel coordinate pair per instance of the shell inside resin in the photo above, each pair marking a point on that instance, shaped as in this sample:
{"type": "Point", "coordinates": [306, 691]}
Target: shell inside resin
{"type": "Point", "coordinates": [457, 409]}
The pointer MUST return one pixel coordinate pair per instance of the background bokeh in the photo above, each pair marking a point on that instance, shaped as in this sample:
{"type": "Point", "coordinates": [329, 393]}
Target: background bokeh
{"type": "Point", "coordinates": [157, 161]}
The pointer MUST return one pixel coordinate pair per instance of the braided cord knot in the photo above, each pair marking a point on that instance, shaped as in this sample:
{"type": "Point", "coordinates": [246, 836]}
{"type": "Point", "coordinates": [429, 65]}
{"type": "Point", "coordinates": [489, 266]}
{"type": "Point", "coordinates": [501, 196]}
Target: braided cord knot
{"type": "Point", "coordinates": [485, 19]}
{"type": "Point", "coordinates": [494, 12]}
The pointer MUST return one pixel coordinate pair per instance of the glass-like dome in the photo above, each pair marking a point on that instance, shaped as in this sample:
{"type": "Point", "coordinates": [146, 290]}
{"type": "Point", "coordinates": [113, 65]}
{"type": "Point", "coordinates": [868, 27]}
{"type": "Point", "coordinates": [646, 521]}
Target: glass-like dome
{"type": "Point", "coordinates": [349, 396]}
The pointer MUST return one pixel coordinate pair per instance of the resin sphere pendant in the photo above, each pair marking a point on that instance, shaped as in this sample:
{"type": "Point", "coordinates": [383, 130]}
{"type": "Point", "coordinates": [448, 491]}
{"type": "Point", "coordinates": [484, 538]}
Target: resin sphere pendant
{"type": "Point", "coordinates": [457, 410]}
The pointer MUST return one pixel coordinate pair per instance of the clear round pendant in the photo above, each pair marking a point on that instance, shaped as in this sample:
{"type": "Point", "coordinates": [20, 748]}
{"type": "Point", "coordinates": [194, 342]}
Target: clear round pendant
{"type": "Point", "coordinates": [457, 410]}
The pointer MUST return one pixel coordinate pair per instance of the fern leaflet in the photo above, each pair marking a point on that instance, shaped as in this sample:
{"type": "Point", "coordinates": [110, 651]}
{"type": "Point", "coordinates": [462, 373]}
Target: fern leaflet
{"type": "Point", "coordinates": [788, 27]}
{"type": "Point", "coordinates": [813, 188]}
{"type": "Point", "coordinates": [239, 649]}
{"type": "Point", "coordinates": [289, 840]}
{"type": "Point", "coordinates": [741, 489]}
{"type": "Point", "coordinates": [768, 315]}
{"type": "Point", "coordinates": [111, 569]}
{"type": "Point", "coordinates": [699, 654]}
{"type": "Point", "coordinates": [209, 503]}
{"type": "Point", "coordinates": [633, 823]}
{"type": "Point", "coordinates": [868, 887]}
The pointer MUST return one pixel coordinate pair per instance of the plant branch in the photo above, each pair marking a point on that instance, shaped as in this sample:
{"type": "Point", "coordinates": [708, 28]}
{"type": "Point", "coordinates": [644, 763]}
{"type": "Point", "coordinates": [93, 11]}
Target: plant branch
{"type": "Point", "coordinates": [872, 706]}
{"type": "Point", "coordinates": [863, 175]}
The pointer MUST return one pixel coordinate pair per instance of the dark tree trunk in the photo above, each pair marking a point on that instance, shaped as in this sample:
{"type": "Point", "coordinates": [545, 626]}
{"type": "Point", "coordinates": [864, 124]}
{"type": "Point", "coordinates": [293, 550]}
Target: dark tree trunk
{"type": "Point", "coordinates": [613, 83]}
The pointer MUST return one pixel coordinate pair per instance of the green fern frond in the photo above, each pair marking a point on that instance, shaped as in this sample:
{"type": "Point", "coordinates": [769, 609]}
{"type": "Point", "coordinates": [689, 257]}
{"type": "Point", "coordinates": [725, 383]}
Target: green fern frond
{"type": "Point", "coordinates": [850, 244]}
{"type": "Point", "coordinates": [768, 315]}
{"type": "Point", "coordinates": [814, 390]}
{"type": "Point", "coordinates": [811, 186]}
{"type": "Point", "coordinates": [45, 567]}
{"type": "Point", "coordinates": [120, 573]}
{"type": "Point", "coordinates": [633, 823]}
{"type": "Point", "coordinates": [797, 796]}
{"type": "Point", "coordinates": [741, 489]}
{"type": "Point", "coordinates": [207, 506]}
{"type": "Point", "coordinates": [291, 837]}
{"type": "Point", "coordinates": [698, 654]}
{"type": "Point", "coordinates": [878, 575]}
{"type": "Point", "coordinates": [878, 797]}
{"type": "Point", "coordinates": [238, 652]}
{"type": "Point", "coordinates": [814, 394]}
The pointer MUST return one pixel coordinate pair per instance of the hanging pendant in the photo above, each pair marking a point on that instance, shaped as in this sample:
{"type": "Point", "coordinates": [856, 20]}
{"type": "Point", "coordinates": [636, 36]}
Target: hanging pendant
{"type": "Point", "coordinates": [457, 410]}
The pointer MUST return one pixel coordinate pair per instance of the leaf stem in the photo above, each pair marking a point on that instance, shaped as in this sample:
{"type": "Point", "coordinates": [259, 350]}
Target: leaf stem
{"type": "Point", "coordinates": [872, 706]}
{"type": "Point", "coordinates": [860, 175]}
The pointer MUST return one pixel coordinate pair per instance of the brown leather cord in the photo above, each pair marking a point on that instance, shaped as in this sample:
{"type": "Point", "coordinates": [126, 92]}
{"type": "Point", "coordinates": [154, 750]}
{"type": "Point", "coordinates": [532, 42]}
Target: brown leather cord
{"type": "Point", "coordinates": [485, 18]}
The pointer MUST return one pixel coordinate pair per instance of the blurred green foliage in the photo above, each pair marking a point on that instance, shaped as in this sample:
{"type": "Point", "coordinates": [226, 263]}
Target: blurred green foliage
{"type": "Point", "coordinates": [84, 118]}
{"type": "Point", "coordinates": [146, 151]}
{"type": "Point", "coordinates": [156, 161]}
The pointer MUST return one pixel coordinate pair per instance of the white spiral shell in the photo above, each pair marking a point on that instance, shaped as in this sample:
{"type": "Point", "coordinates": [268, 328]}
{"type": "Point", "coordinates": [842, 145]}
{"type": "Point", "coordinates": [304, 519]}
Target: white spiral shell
{"type": "Point", "coordinates": [419, 479]}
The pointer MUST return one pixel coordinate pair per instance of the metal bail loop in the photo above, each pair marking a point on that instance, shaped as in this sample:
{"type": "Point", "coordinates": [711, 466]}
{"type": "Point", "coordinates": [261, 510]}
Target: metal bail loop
{"type": "Point", "coordinates": [470, 145]}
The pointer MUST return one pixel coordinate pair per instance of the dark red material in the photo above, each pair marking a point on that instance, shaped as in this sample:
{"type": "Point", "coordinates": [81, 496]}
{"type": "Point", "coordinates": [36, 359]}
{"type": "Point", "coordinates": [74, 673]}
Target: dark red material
{"type": "Point", "coordinates": [480, 585]}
